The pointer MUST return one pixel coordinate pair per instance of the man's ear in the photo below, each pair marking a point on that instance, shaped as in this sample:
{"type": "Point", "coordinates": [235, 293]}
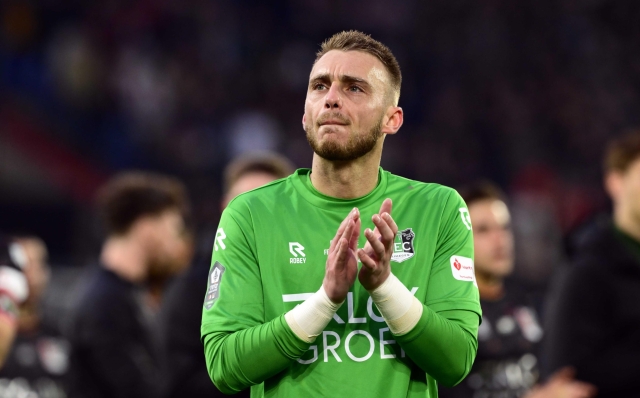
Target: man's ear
{"type": "Point", "coordinates": [393, 120]}
{"type": "Point", "coordinates": [613, 184]}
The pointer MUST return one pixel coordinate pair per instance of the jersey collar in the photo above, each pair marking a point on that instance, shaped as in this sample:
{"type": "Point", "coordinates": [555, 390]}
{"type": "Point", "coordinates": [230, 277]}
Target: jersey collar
{"type": "Point", "coordinates": [302, 183]}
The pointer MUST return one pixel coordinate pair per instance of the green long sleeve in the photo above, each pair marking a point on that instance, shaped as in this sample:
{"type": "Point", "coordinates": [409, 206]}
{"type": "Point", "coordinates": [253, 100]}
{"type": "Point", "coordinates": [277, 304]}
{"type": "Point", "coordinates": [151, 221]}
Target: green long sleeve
{"type": "Point", "coordinates": [269, 255]}
{"type": "Point", "coordinates": [238, 360]}
{"type": "Point", "coordinates": [443, 344]}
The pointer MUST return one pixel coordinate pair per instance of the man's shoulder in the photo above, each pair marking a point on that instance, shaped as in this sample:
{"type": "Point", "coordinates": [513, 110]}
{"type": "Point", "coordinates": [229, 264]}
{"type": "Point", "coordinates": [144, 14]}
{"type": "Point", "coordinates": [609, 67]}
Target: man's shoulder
{"type": "Point", "coordinates": [598, 248]}
{"type": "Point", "coordinates": [100, 291]}
{"type": "Point", "coordinates": [269, 192]}
{"type": "Point", "coordinates": [426, 190]}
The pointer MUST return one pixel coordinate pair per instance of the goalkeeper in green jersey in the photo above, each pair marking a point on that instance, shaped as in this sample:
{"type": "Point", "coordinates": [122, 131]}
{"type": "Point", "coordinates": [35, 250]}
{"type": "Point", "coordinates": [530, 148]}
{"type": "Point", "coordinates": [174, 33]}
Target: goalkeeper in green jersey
{"type": "Point", "coordinates": [317, 288]}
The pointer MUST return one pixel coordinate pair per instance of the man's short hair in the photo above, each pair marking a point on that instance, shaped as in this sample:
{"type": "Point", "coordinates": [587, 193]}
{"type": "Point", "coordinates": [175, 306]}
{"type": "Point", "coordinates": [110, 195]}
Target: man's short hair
{"type": "Point", "coordinates": [354, 40]}
{"type": "Point", "coordinates": [622, 151]}
{"type": "Point", "coordinates": [481, 190]}
{"type": "Point", "coordinates": [130, 196]}
{"type": "Point", "coordinates": [257, 162]}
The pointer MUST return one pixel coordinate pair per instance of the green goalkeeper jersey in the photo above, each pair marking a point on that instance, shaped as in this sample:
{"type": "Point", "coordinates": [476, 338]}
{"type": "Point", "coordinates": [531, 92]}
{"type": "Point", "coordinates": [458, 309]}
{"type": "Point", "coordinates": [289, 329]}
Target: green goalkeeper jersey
{"type": "Point", "coordinates": [269, 255]}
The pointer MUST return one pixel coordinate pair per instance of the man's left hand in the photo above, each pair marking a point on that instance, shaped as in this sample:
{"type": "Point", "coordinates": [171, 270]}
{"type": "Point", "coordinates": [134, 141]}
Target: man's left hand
{"type": "Point", "coordinates": [376, 254]}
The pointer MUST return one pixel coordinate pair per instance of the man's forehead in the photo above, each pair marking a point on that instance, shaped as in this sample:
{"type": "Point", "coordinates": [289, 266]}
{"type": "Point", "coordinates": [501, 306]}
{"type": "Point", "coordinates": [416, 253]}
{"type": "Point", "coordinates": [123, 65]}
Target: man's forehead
{"type": "Point", "coordinates": [352, 63]}
{"type": "Point", "coordinates": [493, 208]}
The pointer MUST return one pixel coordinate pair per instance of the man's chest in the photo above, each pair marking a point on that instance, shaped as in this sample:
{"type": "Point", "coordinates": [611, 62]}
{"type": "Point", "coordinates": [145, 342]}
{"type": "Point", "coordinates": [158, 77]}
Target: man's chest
{"type": "Point", "coordinates": [294, 254]}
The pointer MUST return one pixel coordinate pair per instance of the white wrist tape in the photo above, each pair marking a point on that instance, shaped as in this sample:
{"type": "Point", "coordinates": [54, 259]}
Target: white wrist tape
{"type": "Point", "coordinates": [308, 319]}
{"type": "Point", "coordinates": [399, 308]}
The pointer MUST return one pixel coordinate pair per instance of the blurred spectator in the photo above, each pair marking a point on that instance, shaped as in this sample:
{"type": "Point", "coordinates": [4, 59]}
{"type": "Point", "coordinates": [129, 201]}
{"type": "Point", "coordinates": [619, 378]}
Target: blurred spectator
{"type": "Point", "coordinates": [507, 363]}
{"type": "Point", "coordinates": [39, 358]}
{"type": "Point", "coordinates": [187, 374]}
{"type": "Point", "coordinates": [114, 350]}
{"type": "Point", "coordinates": [594, 315]}
{"type": "Point", "coordinates": [14, 290]}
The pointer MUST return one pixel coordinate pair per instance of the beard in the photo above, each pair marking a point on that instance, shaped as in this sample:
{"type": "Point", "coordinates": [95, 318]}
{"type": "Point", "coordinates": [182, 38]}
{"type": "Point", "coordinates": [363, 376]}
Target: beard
{"type": "Point", "coordinates": [356, 147]}
{"type": "Point", "coordinates": [163, 268]}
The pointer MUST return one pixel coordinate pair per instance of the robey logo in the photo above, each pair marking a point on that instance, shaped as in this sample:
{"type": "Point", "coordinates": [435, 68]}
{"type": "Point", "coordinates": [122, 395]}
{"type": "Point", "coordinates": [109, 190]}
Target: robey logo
{"type": "Point", "coordinates": [297, 251]}
{"type": "Point", "coordinates": [219, 240]}
{"type": "Point", "coordinates": [466, 218]}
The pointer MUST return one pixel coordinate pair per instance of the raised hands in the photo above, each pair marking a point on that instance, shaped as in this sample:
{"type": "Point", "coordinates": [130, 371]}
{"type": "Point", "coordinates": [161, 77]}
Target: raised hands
{"type": "Point", "coordinates": [342, 264]}
{"type": "Point", "coordinates": [376, 254]}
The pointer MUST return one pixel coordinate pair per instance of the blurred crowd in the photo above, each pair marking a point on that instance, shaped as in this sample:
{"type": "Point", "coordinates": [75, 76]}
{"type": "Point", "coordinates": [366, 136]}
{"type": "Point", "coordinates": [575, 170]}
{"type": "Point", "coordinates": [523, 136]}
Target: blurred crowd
{"type": "Point", "coordinates": [525, 93]}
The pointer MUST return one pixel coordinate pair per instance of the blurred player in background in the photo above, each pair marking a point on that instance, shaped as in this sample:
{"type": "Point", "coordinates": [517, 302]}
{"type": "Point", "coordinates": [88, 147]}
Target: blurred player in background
{"type": "Point", "coordinates": [182, 310]}
{"type": "Point", "coordinates": [39, 359]}
{"type": "Point", "coordinates": [594, 307]}
{"type": "Point", "coordinates": [399, 329]}
{"type": "Point", "coordinates": [507, 364]}
{"type": "Point", "coordinates": [13, 291]}
{"type": "Point", "coordinates": [114, 350]}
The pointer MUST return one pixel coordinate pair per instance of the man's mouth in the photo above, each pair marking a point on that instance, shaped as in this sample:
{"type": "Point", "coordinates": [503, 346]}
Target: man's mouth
{"type": "Point", "coordinates": [333, 120]}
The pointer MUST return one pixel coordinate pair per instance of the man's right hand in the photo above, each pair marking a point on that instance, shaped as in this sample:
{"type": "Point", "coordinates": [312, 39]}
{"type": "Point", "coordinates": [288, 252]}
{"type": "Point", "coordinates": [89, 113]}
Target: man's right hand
{"type": "Point", "coordinates": [562, 384]}
{"type": "Point", "coordinates": [342, 263]}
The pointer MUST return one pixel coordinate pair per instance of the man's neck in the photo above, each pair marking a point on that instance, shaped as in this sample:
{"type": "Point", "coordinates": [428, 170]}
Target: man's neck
{"type": "Point", "coordinates": [346, 180]}
{"type": "Point", "coordinates": [491, 288]}
{"type": "Point", "coordinates": [627, 224]}
{"type": "Point", "coordinates": [124, 257]}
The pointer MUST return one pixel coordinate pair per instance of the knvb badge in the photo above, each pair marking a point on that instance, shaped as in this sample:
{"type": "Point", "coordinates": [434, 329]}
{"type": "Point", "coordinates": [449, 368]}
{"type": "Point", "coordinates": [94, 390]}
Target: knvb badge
{"type": "Point", "coordinates": [213, 291]}
{"type": "Point", "coordinates": [403, 246]}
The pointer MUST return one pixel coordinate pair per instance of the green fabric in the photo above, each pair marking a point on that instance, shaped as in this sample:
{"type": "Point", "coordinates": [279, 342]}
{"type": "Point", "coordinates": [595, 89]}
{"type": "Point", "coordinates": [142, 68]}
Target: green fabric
{"type": "Point", "coordinates": [629, 242]}
{"type": "Point", "coordinates": [273, 243]}
{"type": "Point", "coordinates": [444, 345]}
{"type": "Point", "coordinates": [272, 343]}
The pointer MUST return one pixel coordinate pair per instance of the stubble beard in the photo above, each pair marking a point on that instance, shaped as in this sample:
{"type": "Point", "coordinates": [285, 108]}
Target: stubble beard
{"type": "Point", "coordinates": [356, 147]}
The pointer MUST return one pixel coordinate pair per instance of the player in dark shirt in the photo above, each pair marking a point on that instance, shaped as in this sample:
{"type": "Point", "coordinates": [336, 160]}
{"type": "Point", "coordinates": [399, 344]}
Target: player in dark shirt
{"type": "Point", "coordinates": [187, 374]}
{"type": "Point", "coordinates": [594, 312]}
{"type": "Point", "coordinates": [507, 363]}
{"type": "Point", "coordinates": [114, 354]}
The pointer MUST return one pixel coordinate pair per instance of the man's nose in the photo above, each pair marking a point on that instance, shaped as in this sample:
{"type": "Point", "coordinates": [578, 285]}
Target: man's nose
{"type": "Point", "coordinates": [333, 99]}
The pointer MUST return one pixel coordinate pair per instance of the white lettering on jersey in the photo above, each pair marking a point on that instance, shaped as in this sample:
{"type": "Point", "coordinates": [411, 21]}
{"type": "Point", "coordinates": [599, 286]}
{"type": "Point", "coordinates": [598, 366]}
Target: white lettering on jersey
{"type": "Point", "coordinates": [331, 340]}
{"type": "Point", "coordinates": [384, 342]}
{"type": "Point", "coordinates": [296, 249]}
{"type": "Point", "coordinates": [313, 348]}
{"type": "Point", "coordinates": [372, 345]}
{"type": "Point", "coordinates": [219, 239]}
{"type": "Point", "coordinates": [466, 219]}
{"type": "Point", "coordinates": [332, 347]}
{"type": "Point", "coordinates": [352, 318]}
{"type": "Point", "coordinates": [462, 269]}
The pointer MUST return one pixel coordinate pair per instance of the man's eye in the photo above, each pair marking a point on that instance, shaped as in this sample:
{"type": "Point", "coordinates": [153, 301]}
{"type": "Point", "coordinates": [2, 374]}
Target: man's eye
{"type": "Point", "coordinates": [319, 86]}
{"type": "Point", "coordinates": [355, 89]}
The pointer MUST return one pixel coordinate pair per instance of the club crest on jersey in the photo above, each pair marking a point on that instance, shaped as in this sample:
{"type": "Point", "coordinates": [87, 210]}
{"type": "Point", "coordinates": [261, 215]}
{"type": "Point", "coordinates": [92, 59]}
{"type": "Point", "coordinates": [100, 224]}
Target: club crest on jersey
{"type": "Point", "coordinates": [403, 246]}
{"type": "Point", "coordinates": [213, 291]}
